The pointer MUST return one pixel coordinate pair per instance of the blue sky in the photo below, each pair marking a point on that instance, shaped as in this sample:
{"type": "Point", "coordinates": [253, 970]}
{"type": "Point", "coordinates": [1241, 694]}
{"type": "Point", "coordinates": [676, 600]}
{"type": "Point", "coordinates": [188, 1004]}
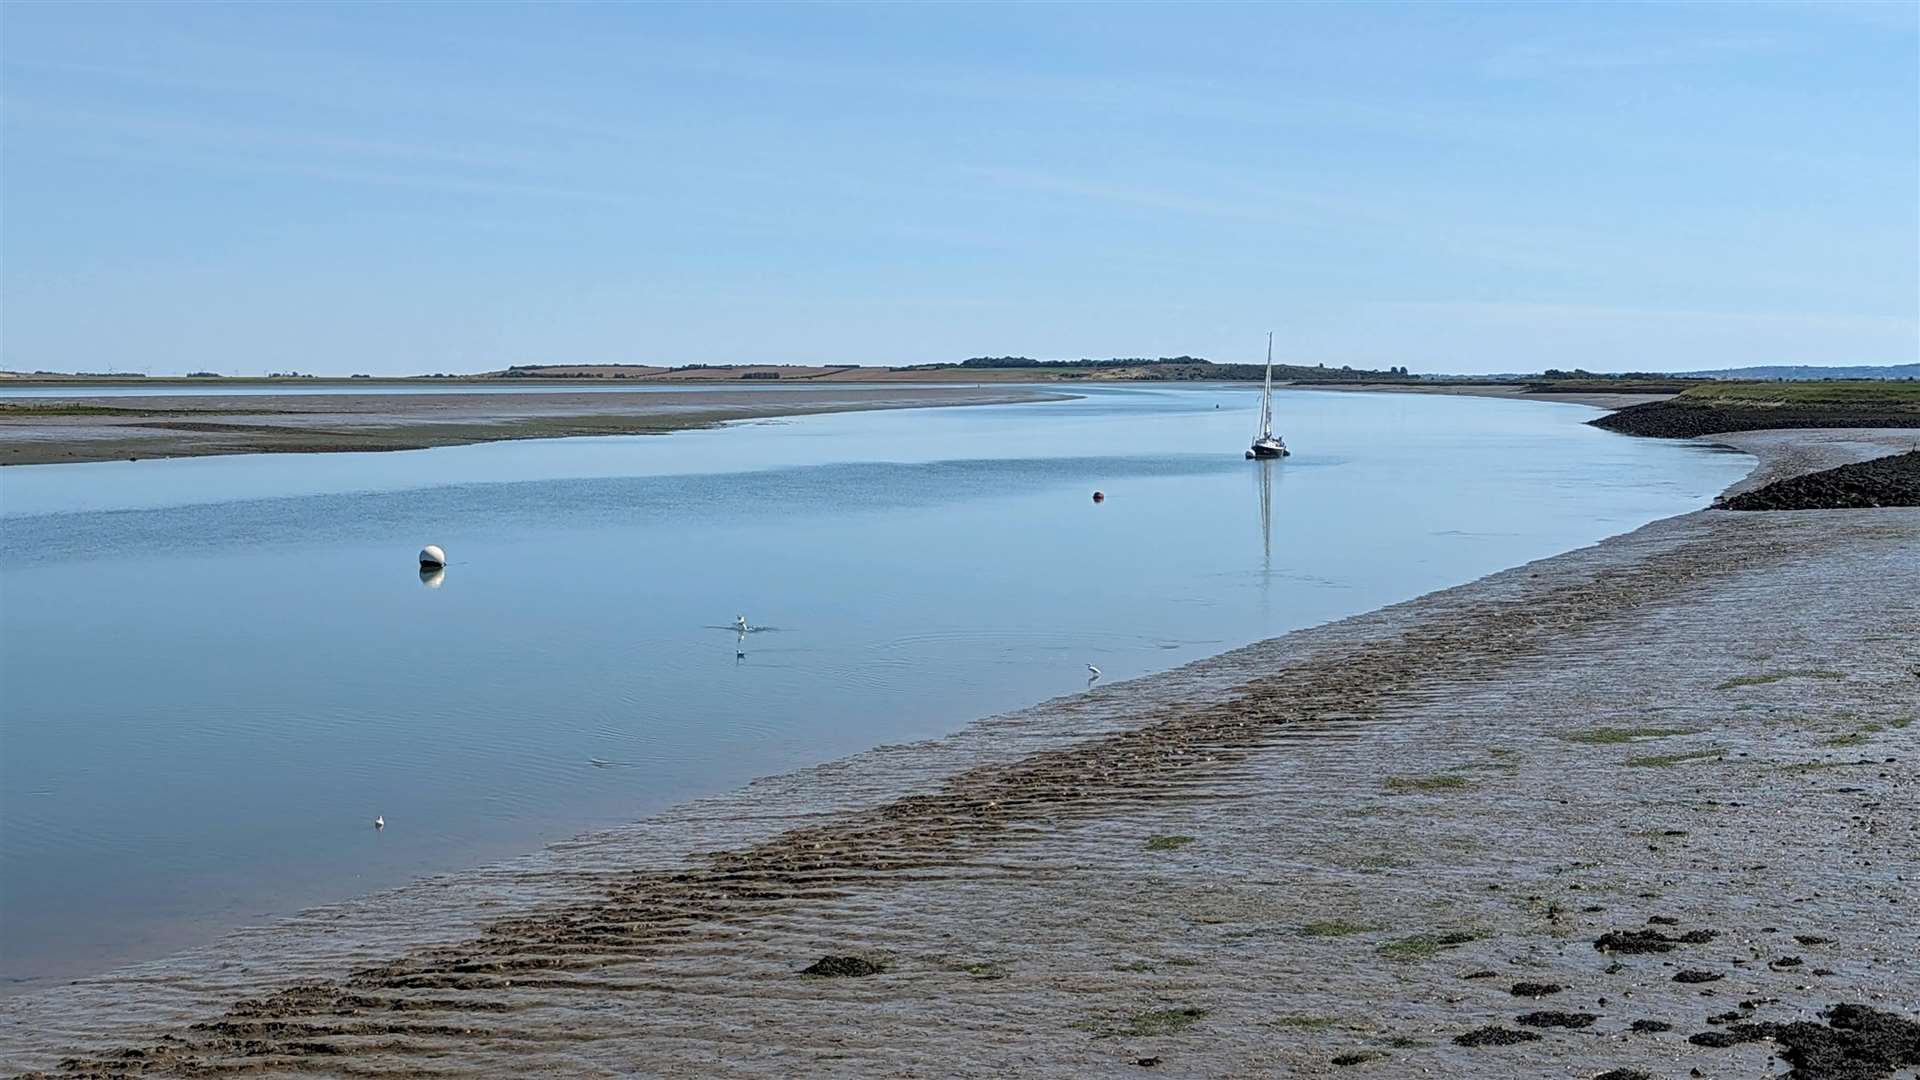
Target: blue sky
{"type": "Point", "coordinates": [395, 189]}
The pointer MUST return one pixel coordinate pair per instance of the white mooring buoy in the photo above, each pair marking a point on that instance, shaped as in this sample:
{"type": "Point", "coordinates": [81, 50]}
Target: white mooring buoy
{"type": "Point", "coordinates": [431, 556]}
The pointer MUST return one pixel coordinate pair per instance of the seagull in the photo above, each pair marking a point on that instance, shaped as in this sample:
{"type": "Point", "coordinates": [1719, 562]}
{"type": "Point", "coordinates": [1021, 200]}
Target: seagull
{"type": "Point", "coordinates": [1094, 670]}
{"type": "Point", "coordinates": [740, 623]}
{"type": "Point", "coordinates": [380, 822]}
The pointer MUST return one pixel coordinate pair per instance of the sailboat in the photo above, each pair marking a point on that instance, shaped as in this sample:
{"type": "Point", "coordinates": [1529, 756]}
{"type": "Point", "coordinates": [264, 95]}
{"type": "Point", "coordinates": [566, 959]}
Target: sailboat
{"type": "Point", "coordinates": [1267, 444]}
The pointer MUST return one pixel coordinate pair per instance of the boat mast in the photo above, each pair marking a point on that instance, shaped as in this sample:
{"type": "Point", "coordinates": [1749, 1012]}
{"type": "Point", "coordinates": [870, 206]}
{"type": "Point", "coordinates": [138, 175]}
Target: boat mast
{"type": "Point", "coordinates": [1266, 395]}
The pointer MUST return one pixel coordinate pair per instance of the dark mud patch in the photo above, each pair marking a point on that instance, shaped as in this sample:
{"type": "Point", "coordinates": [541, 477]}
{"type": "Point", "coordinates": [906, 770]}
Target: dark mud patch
{"type": "Point", "coordinates": [1550, 1018]}
{"type": "Point", "coordinates": [1535, 989]}
{"type": "Point", "coordinates": [1632, 942]}
{"type": "Point", "coordinates": [1694, 975]}
{"type": "Point", "coordinates": [1623, 1074]}
{"type": "Point", "coordinates": [1856, 1043]}
{"type": "Point", "coordinates": [1650, 1027]}
{"type": "Point", "coordinates": [843, 967]}
{"type": "Point", "coordinates": [1358, 1057]}
{"type": "Point", "coordinates": [1494, 1035]}
{"type": "Point", "coordinates": [1888, 481]}
{"type": "Point", "coordinates": [1167, 843]}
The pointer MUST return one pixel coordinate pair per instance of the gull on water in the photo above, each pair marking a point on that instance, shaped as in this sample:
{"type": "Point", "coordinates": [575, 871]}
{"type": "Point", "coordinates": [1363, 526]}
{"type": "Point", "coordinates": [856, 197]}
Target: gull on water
{"type": "Point", "coordinates": [740, 623]}
{"type": "Point", "coordinates": [380, 822]}
{"type": "Point", "coordinates": [1094, 670]}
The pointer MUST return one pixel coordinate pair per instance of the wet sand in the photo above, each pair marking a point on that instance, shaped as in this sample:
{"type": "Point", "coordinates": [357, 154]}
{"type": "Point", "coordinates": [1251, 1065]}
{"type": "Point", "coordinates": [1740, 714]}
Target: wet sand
{"type": "Point", "coordinates": [1665, 780]}
{"type": "Point", "coordinates": [42, 431]}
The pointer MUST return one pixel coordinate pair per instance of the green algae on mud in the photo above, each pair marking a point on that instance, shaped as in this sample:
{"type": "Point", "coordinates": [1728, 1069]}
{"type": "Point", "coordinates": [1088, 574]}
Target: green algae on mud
{"type": "Point", "coordinates": [1739, 681]}
{"type": "Point", "coordinates": [1667, 761]}
{"type": "Point", "coordinates": [1609, 736]}
{"type": "Point", "coordinates": [1422, 946]}
{"type": "Point", "coordinates": [1402, 785]}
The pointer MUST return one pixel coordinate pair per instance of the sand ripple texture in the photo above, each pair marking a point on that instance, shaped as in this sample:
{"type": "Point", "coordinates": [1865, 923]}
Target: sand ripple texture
{"type": "Point", "coordinates": [1686, 749]}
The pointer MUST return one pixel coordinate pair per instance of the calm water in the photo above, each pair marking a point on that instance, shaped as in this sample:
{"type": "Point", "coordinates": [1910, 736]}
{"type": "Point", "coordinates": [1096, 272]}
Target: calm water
{"type": "Point", "coordinates": [217, 671]}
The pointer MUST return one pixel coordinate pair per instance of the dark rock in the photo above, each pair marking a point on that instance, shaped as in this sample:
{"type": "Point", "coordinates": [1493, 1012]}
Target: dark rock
{"type": "Point", "coordinates": [1650, 1026]}
{"type": "Point", "coordinates": [1622, 1074]}
{"type": "Point", "coordinates": [1786, 962]}
{"type": "Point", "coordinates": [1812, 939]}
{"type": "Point", "coordinates": [1694, 975]}
{"type": "Point", "coordinates": [1662, 920]}
{"type": "Point", "coordinates": [1357, 1057]}
{"type": "Point", "coordinates": [1147, 1062]}
{"type": "Point", "coordinates": [1481, 975]}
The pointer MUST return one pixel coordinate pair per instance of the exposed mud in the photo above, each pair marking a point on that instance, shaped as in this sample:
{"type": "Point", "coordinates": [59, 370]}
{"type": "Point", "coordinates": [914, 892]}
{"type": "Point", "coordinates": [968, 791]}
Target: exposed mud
{"type": "Point", "coordinates": [70, 430]}
{"type": "Point", "coordinates": [1005, 874]}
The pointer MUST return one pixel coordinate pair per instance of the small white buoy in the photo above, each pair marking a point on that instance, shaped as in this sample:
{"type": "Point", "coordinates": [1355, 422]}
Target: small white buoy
{"type": "Point", "coordinates": [380, 822]}
{"type": "Point", "coordinates": [431, 555]}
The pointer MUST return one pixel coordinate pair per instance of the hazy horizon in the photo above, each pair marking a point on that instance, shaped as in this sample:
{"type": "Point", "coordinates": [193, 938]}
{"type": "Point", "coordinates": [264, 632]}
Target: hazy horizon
{"type": "Point", "coordinates": [1453, 188]}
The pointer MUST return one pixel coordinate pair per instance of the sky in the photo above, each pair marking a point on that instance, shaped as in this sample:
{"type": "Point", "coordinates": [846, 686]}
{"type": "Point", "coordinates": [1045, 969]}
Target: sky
{"type": "Point", "coordinates": [395, 189]}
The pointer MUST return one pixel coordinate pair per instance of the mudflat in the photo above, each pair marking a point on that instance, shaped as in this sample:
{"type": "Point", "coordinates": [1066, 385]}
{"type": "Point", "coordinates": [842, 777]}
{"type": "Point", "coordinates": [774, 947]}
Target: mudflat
{"type": "Point", "coordinates": [42, 431]}
{"type": "Point", "coordinates": [1641, 808]}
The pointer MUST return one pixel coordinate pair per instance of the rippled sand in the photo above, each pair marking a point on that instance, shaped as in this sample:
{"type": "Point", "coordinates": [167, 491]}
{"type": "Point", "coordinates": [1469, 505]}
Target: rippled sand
{"type": "Point", "coordinates": [1351, 843]}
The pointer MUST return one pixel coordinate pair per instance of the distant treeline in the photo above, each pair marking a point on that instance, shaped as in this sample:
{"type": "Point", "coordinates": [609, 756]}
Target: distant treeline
{"type": "Point", "coordinates": [1583, 373]}
{"type": "Point", "coordinates": [1174, 369]}
{"type": "Point", "coordinates": [1027, 361]}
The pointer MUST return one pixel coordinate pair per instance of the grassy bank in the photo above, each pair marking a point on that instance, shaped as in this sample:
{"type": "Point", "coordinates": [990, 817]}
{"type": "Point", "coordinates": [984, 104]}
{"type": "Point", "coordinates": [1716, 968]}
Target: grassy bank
{"type": "Point", "coordinates": [1714, 408]}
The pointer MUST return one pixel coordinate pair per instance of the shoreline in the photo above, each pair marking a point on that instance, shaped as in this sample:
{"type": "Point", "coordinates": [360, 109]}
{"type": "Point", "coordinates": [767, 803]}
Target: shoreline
{"type": "Point", "coordinates": [1030, 839]}
{"type": "Point", "coordinates": [57, 430]}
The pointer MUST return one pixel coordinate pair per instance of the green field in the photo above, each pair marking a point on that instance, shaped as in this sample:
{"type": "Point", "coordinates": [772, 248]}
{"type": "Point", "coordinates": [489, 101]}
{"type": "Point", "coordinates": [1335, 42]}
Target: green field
{"type": "Point", "coordinates": [1876, 393]}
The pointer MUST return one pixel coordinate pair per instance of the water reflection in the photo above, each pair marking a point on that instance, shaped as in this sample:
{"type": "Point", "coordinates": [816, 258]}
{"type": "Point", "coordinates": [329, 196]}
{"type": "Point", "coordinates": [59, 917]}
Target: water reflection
{"type": "Point", "coordinates": [433, 576]}
{"type": "Point", "coordinates": [1263, 479]}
